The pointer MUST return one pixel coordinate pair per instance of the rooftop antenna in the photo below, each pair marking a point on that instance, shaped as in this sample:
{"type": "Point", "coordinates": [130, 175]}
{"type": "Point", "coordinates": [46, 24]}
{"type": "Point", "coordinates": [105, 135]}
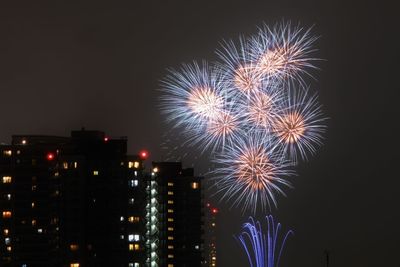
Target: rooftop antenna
{"type": "Point", "coordinates": [326, 252]}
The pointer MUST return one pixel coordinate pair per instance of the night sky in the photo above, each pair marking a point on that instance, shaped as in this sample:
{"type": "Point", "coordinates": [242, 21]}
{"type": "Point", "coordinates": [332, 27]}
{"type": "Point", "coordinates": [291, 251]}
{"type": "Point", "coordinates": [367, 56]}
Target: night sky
{"type": "Point", "coordinates": [98, 64]}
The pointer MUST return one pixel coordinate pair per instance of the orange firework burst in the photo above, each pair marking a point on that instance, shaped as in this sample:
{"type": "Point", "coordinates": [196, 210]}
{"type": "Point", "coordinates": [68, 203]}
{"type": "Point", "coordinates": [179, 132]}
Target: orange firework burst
{"type": "Point", "coordinates": [205, 102]}
{"type": "Point", "coordinates": [290, 128]}
{"type": "Point", "coordinates": [261, 110]}
{"type": "Point", "coordinates": [222, 126]}
{"type": "Point", "coordinates": [255, 169]}
{"type": "Point", "coordinates": [246, 78]}
{"type": "Point", "coordinates": [252, 171]}
{"type": "Point", "coordinates": [273, 62]}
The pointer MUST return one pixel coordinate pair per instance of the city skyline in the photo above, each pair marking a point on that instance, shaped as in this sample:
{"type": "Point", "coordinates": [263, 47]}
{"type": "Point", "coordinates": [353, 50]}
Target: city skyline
{"type": "Point", "coordinates": [98, 65]}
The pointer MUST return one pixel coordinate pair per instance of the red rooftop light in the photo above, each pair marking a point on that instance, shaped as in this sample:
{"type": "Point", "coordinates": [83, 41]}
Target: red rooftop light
{"type": "Point", "coordinates": [143, 154]}
{"type": "Point", "coordinates": [214, 210]}
{"type": "Point", "coordinates": [50, 156]}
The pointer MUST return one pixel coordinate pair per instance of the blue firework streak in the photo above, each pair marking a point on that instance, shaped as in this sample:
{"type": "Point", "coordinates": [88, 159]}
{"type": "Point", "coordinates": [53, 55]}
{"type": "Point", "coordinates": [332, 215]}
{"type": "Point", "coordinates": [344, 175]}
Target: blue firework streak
{"type": "Point", "coordinates": [263, 250]}
{"type": "Point", "coordinates": [251, 172]}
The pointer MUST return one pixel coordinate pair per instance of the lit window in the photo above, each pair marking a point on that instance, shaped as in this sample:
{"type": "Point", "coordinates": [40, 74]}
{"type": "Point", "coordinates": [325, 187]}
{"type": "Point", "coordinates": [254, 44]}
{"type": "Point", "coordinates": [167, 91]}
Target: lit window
{"type": "Point", "coordinates": [9, 249]}
{"type": "Point", "coordinates": [121, 218]}
{"type": "Point", "coordinates": [170, 211]}
{"type": "Point", "coordinates": [170, 184]}
{"type": "Point", "coordinates": [7, 153]}
{"type": "Point", "coordinates": [75, 164]}
{"type": "Point", "coordinates": [133, 219]}
{"type": "Point", "coordinates": [170, 219]}
{"type": "Point", "coordinates": [56, 174]}
{"type": "Point", "coordinates": [196, 247]}
{"type": "Point", "coordinates": [133, 237]}
{"type": "Point", "coordinates": [6, 232]}
{"type": "Point", "coordinates": [7, 214]}
{"type": "Point", "coordinates": [170, 256]}
{"type": "Point", "coordinates": [170, 193]}
{"type": "Point", "coordinates": [136, 264]}
{"type": "Point", "coordinates": [33, 187]}
{"type": "Point", "coordinates": [133, 183]}
{"type": "Point", "coordinates": [8, 196]}
{"type": "Point", "coordinates": [40, 230]}
{"type": "Point", "coordinates": [65, 165]}
{"type": "Point", "coordinates": [195, 185]}
{"type": "Point", "coordinates": [170, 265]}
{"type": "Point", "coordinates": [74, 265]}
{"type": "Point", "coordinates": [155, 169]}
{"type": "Point", "coordinates": [95, 172]}
{"type": "Point", "coordinates": [170, 228]}
{"type": "Point", "coordinates": [131, 201]}
{"type": "Point", "coordinates": [7, 179]}
{"type": "Point", "coordinates": [33, 205]}
{"type": "Point", "coordinates": [73, 247]}
{"type": "Point", "coordinates": [134, 247]}
{"type": "Point", "coordinates": [7, 240]}
{"type": "Point", "coordinates": [170, 238]}
{"type": "Point", "coordinates": [170, 247]}
{"type": "Point", "coordinates": [33, 222]}
{"type": "Point", "coordinates": [135, 164]}
{"type": "Point", "coordinates": [23, 141]}
{"type": "Point", "coordinates": [170, 202]}
{"type": "Point", "coordinates": [213, 224]}
{"type": "Point", "coordinates": [122, 237]}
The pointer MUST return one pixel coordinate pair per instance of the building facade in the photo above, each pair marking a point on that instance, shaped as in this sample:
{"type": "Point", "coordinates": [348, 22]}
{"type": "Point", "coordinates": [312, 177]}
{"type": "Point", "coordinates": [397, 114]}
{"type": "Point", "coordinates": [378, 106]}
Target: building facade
{"type": "Point", "coordinates": [71, 201]}
{"type": "Point", "coordinates": [175, 216]}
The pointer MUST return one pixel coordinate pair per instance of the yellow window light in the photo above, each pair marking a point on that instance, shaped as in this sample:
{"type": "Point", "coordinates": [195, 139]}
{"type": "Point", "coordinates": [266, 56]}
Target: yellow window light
{"type": "Point", "coordinates": [7, 179]}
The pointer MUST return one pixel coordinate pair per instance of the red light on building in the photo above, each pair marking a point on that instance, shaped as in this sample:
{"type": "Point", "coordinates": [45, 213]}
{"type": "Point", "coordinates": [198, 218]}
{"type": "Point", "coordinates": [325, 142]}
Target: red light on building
{"type": "Point", "coordinates": [143, 154]}
{"type": "Point", "coordinates": [214, 210]}
{"type": "Point", "coordinates": [105, 139]}
{"type": "Point", "coordinates": [50, 156]}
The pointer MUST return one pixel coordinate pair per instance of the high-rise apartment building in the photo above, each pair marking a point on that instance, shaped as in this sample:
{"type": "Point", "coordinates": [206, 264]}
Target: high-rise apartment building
{"type": "Point", "coordinates": [174, 216]}
{"type": "Point", "coordinates": [210, 248]}
{"type": "Point", "coordinates": [71, 201]}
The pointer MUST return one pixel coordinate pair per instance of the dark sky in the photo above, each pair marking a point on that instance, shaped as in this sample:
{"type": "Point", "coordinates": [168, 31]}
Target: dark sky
{"type": "Point", "coordinates": [64, 65]}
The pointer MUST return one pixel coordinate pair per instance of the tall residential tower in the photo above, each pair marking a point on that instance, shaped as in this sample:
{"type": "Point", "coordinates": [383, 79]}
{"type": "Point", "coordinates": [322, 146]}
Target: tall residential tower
{"type": "Point", "coordinates": [71, 201]}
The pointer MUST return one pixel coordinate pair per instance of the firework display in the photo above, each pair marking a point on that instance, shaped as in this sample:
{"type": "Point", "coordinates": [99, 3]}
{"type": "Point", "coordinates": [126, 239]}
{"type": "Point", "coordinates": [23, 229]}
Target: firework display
{"type": "Point", "coordinates": [262, 250]}
{"type": "Point", "coordinates": [252, 112]}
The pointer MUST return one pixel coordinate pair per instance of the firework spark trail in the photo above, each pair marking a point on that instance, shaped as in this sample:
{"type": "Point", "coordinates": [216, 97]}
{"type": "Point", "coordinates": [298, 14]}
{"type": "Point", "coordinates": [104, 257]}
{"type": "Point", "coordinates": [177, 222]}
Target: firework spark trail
{"type": "Point", "coordinates": [261, 108]}
{"type": "Point", "coordinates": [252, 171]}
{"type": "Point", "coordinates": [262, 250]}
{"type": "Point", "coordinates": [251, 111]}
{"type": "Point", "coordinates": [283, 52]}
{"type": "Point", "coordinates": [299, 126]}
{"type": "Point", "coordinates": [192, 96]}
{"type": "Point", "coordinates": [241, 75]}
